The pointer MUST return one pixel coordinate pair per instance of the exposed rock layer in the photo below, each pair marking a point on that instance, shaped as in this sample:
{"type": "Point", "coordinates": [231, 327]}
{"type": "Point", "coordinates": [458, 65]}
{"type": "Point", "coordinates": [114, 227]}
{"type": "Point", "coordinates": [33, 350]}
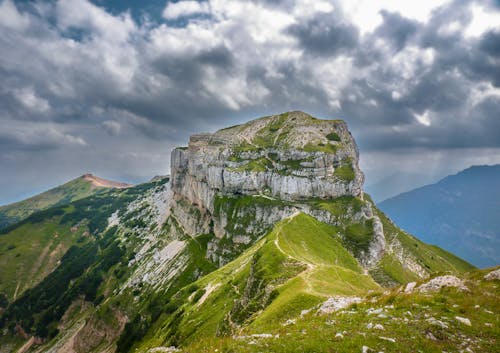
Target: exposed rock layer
{"type": "Point", "coordinates": [282, 161]}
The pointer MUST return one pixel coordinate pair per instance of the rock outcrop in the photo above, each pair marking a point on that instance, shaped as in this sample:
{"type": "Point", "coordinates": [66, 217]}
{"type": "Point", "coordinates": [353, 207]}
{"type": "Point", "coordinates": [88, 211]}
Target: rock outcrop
{"type": "Point", "coordinates": [279, 163]}
{"type": "Point", "coordinates": [292, 157]}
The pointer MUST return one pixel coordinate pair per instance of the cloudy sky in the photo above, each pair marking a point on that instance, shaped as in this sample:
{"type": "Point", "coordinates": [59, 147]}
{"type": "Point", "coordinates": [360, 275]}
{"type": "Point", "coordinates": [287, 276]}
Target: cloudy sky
{"type": "Point", "coordinates": [109, 87]}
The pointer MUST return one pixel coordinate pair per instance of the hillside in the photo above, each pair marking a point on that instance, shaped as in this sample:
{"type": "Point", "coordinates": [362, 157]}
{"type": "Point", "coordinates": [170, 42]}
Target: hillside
{"type": "Point", "coordinates": [75, 189]}
{"type": "Point", "coordinates": [449, 318]}
{"type": "Point", "coordinates": [259, 224]}
{"type": "Point", "coordinates": [460, 213]}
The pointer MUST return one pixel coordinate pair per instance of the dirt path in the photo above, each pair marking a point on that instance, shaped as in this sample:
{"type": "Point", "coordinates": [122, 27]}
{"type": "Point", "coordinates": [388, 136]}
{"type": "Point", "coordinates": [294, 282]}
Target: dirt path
{"type": "Point", "coordinates": [17, 289]}
{"type": "Point", "coordinates": [311, 268]}
{"type": "Point", "coordinates": [100, 182]}
{"type": "Point", "coordinates": [25, 347]}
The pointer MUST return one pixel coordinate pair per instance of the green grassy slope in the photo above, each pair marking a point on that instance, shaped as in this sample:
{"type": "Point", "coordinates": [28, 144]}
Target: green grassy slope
{"type": "Point", "coordinates": [408, 324]}
{"type": "Point", "coordinates": [32, 248]}
{"type": "Point", "coordinates": [296, 266]}
{"type": "Point", "coordinates": [29, 252]}
{"type": "Point", "coordinates": [73, 190]}
{"type": "Point", "coordinates": [434, 259]}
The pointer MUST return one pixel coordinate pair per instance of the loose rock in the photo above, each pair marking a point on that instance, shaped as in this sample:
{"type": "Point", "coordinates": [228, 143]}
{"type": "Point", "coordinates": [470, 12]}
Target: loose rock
{"type": "Point", "coordinates": [495, 274]}
{"type": "Point", "coordinates": [336, 303]}
{"type": "Point", "coordinates": [463, 320]}
{"type": "Point", "coordinates": [437, 283]}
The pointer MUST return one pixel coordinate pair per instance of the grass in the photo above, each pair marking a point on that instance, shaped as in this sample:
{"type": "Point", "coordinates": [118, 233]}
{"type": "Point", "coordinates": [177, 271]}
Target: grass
{"type": "Point", "coordinates": [339, 206]}
{"type": "Point", "coordinates": [261, 164]}
{"type": "Point", "coordinates": [345, 172]}
{"type": "Point", "coordinates": [294, 267]}
{"type": "Point", "coordinates": [310, 241]}
{"type": "Point", "coordinates": [320, 147]}
{"type": "Point", "coordinates": [405, 320]}
{"type": "Point", "coordinates": [29, 252]}
{"type": "Point", "coordinates": [332, 136]}
{"type": "Point", "coordinates": [73, 190]}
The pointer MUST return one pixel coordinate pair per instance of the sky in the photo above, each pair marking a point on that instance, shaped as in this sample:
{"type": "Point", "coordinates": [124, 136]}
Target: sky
{"type": "Point", "coordinates": [110, 87]}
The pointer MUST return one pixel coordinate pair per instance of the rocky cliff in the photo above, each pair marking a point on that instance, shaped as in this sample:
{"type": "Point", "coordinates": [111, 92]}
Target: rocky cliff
{"type": "Point", "coordinates": [239, 181]}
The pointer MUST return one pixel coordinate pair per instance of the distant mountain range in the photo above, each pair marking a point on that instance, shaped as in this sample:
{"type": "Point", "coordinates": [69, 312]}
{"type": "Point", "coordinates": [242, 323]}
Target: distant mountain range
{"type": "Point", "coordinates": [460, 213]}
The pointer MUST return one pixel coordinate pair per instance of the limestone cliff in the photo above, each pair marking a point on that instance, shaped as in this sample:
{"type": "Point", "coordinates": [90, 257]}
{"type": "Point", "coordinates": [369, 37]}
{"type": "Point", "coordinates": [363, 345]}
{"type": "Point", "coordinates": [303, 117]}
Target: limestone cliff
{"type": "Point", "coordinates": [281, 163]}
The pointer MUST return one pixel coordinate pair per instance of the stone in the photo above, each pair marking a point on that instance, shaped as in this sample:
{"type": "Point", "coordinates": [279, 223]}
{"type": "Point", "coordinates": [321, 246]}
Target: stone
{"type": "Point", "coordinates": [372, 311]}
{"type": "Point", "coordinates": [437, 283]}
{"type": "Point", "coordinates": [409, 287]}
{"type": "Point", "coordinates": [336, 303]}
{"type": "Point", "coordinates": [463, 320]}
{"type": "Point", "coordinates": [436, 322]}
{"type": "Point", "coordinates": [493, 275]}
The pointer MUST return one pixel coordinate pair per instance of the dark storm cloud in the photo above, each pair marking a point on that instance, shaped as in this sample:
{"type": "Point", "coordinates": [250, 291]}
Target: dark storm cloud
{"type": "Point", "coordinates": [326, 35]}
{"type": "Point", "coordinates": [397, 29]}
{"type": "Point", "coordinates": [490, 43]}
{"type": "Point", "coordinates": [81, 80]}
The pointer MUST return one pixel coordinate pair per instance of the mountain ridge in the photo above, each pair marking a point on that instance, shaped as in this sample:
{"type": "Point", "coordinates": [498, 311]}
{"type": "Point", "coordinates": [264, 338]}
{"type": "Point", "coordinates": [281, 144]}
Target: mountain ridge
{"type": "Point", "coordinates": [75, 189]}
{"type": "Point", "coordinates": [459, 213]}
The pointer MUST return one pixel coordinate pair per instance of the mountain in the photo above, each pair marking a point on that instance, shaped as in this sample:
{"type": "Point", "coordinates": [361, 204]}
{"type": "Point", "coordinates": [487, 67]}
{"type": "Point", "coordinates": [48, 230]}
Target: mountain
{"type": "Point", "coordinates": [75, 189]}
{"type": "Point", "coordinates": [259, 227]}
{"type": "Point", "coordinates": [460, 213]}
{"type": "Point", "coordinates": [396, 184]}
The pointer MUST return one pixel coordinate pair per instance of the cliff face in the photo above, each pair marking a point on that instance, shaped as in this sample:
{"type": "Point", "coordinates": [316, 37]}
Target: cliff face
{"type": "Point", "coordinates": [281, 164]}
{"type": "Point", "coordinates": [291, 156]}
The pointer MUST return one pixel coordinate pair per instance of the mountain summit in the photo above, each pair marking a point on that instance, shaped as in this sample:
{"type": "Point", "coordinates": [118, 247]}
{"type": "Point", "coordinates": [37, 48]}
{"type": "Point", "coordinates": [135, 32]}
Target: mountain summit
{"type": "Point", "coordinates": [259, 225]}
{"type": "Point", "coordinates": [73, 190]}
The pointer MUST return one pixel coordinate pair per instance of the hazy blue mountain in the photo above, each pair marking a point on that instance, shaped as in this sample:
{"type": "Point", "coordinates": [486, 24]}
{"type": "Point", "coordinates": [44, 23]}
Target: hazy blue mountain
{"type": "Point", "coordinates": [460, 213]}
{"type": "Point", "coordinates": [396, 184]}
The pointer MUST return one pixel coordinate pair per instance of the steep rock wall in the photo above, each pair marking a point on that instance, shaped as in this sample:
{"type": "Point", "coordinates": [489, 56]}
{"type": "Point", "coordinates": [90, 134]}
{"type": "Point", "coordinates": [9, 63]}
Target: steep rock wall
{"type": "Point", "coordinates": [239, 181]}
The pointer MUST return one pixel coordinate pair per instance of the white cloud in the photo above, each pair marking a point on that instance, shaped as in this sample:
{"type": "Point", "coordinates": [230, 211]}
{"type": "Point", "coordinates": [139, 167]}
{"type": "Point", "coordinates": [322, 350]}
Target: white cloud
{"type": "Point", "coordinates": [395, 95]}
{"type": "Point", "coordinates": [309, 8]}
{"type": "Point", "coordinates": [185, 8]}
{"type": "Point", "coordinates": [148, 81]}
{"type": "Point", "coordinates": [482, 20]}
{"type": "Point", "coordinates": [366, 13]}
{"type": "Point", "coordinates": [482, 91]}
{"type": "Point", "coordinates": [423, 119]}
{"type": "Point", "coordinates": [36, 135]}
{"type": "Point", "coordinates": [85, 15]}
{"type": "Point", "coordinates": [112, 127]}
{"type": "Point", "coordinates": [30, 100]}
{"type": "Point", "coordinates": [10, 16]}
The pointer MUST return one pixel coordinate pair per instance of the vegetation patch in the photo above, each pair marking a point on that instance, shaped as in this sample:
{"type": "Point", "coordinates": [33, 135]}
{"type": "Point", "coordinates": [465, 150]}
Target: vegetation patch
{"type": "Point", "coordinates": [320, 147]}
{"type": "Point", "coordinates": [345, 172]}
{"type": "Point", "coordinates": [333, 136]}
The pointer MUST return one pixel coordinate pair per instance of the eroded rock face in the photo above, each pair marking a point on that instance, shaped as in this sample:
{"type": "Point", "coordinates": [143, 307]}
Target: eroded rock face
{"type": "Point", "coordinates": [290, 156]}
{"type": "Point", "coordinates": [281, 162]}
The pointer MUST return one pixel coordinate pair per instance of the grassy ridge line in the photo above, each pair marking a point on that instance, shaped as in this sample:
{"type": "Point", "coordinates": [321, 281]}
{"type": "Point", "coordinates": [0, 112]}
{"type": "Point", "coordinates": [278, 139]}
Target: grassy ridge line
{"type": "Point", "coordinates": [265, 285]}
{"type": "Point", "coordinates": [71, 191]}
